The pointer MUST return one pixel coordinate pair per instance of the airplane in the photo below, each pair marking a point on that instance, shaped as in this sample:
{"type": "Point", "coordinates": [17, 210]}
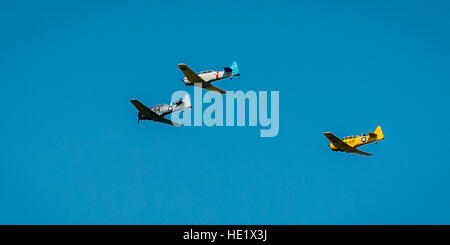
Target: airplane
{"type": "Point", "coordinates": [205, 78]}
{"type": "Point", "coordinates": [157, 112]}
{"type": "Point", "coordinates": [350, 143]}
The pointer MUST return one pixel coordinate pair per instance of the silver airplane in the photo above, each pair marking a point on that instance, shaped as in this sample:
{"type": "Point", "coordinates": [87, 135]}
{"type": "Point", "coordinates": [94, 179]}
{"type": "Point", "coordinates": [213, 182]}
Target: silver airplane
{"type": "Point", "coordinates": [157, 112]}
{"type": "Point", "coordinates": [205, 78]}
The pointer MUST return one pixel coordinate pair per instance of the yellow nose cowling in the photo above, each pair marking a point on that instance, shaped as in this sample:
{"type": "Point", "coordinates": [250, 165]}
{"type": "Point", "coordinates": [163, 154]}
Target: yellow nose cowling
{"type": "Point", "coordinates": [332, 147]}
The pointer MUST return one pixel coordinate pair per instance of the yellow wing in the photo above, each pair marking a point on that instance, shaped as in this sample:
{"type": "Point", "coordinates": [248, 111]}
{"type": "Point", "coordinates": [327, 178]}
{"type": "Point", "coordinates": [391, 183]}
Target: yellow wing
{"type": "Point", "coordinates": [190, 74]}
{"type": "Point", "coordinates": [341, 145]}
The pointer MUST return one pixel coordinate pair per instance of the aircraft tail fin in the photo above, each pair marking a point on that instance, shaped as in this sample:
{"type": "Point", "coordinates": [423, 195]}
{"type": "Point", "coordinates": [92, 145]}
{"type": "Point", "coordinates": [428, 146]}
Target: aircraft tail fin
{"type": "Point", "coordinates": [235, 69]}
{"type": "Point", "coordinates": [379, 133]}
{"type": "Point", "coordinates": [187, 101]}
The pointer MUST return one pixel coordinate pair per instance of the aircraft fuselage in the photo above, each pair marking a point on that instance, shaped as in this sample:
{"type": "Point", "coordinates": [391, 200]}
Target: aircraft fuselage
{"type": "Point", "coordinates": [210, 76]}
{"type": "Point", "coordinates": [355, 141]}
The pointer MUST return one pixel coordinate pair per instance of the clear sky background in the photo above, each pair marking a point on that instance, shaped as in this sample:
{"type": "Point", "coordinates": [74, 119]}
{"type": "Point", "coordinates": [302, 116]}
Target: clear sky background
{"type": "Point", "coordinates": [72, 152]}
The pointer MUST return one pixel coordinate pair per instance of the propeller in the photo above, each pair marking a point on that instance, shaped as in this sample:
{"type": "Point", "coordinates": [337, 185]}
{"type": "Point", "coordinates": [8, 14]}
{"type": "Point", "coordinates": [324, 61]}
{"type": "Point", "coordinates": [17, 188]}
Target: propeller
{"type": "Point", "coordinates": [140, 117]}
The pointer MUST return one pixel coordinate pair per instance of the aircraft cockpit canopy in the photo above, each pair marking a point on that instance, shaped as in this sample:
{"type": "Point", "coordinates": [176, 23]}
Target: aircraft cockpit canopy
{"type": "Point", "coordinates": [350, 137]}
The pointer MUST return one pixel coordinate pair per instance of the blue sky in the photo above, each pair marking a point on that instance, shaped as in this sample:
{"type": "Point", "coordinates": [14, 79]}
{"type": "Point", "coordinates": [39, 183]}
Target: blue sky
{"type": "Point", "coordinates": [72, 153]}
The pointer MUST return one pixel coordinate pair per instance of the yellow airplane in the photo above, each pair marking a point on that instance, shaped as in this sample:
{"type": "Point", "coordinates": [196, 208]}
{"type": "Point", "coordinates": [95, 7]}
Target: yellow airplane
{"type": "Point", "coordinates": [350, 143]}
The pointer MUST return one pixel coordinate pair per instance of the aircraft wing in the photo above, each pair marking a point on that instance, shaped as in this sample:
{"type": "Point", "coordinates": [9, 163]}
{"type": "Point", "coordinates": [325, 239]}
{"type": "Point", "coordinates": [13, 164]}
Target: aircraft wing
{"type": "Point", "coordinates": [190, 74]}
{"type": "Point", "coordinates": [343, 146]}
{"type": "Point", "coordinates": [212, 88]}
{"type": "Point", "coordinates": [143, 109]}
{"type": "Point", "coordinates": [166, 121]}
{"type": "Point", "coordinates": [151, 114]}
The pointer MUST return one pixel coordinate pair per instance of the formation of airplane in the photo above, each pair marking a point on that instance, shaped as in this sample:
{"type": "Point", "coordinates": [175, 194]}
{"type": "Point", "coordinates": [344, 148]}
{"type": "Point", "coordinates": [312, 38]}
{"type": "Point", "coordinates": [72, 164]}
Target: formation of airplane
{"type": "Point", "coordinates": [205, 78]}
{"type": "Point", "coordinates": [202, 79]}
{"type": "Point", "coordinates": [350, 143]}
{"type": "Point", "coordinates": [157, 112]}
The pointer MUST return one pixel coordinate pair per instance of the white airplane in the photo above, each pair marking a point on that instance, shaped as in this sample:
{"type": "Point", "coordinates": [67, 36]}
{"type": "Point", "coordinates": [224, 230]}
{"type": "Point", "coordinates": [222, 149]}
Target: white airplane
{"type": "Point", "coordinates": [205, 78]}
